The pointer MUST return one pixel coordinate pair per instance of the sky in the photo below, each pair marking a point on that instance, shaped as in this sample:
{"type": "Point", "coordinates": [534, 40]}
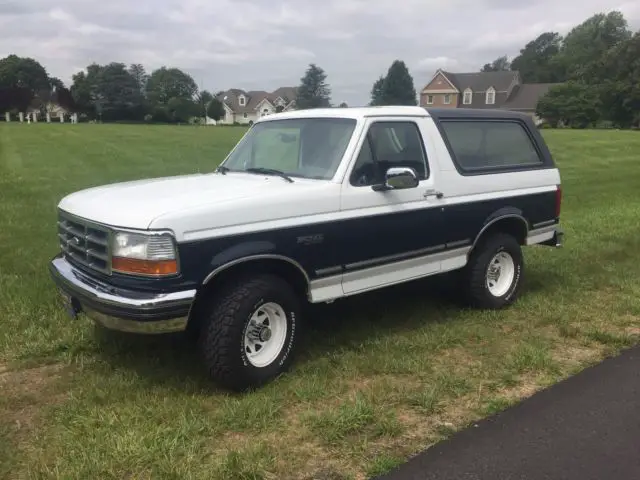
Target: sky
{"type": "Point", "coordinates": [266, 44]}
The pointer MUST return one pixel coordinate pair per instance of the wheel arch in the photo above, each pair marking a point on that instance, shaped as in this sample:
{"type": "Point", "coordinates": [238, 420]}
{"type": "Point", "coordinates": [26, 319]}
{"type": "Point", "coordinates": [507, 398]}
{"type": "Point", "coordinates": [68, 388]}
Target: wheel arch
{"type": "Point", "coordinates": [510, 221]}
{"type": "Point", "coordinates": [275, 264]}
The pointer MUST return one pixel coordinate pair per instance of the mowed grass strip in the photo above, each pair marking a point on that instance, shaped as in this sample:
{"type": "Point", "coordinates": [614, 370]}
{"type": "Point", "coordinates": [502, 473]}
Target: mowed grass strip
{"type": "Point", "coordinates": [380, 377]}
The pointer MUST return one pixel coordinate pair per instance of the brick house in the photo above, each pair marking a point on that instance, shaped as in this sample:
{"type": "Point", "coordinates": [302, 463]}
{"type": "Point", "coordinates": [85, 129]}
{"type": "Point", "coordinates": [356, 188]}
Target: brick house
{"type": "Point", "coordinates": [246, 107]}
{"type": "Point", "coordinates": [483, 90]}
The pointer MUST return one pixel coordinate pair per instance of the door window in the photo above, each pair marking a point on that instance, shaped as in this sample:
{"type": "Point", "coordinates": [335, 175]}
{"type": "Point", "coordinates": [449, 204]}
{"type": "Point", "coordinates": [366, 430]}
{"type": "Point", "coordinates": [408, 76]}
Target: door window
{"type": "Point", "coordinates": [388, 145]}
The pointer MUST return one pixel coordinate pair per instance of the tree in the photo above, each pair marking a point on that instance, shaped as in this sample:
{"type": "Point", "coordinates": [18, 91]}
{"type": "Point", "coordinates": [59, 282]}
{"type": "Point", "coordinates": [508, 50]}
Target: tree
{"type": "Point", "coordinates": [500, 64]}
{"type": "Point", "coordinates": [166, 83]}
{"type": "Point", "coordinates": [81, 92]}
{"type": "Point", "coordinates": [15, 99]}
{"type": "Point", "coordinates": [49, 94]}
{"type": "Point", "coordinates": [62, 96]}
{"type": "Point", "coordinates": [139, 74]}
{"type": "Point", "coordinates": [55, 83]}
{"type": "Point", "coordinates": [215, 109]}
{"type": "Point", "coordinates": [344, 105]}
{"type": "Point", "coordinates": [377, 92]}
{"type": "Point", "coordinates": [120, 92]}
{"type": "Point", "coordinates": [109, 92]}
{"type": "Point", "coordinates": [536, 60]}
{"type": "Point", "coordinates": [181, 109]}
{"type": "Point", "coordinates": [590, 40]}
{"type": "Point", "coordinates": [397, 87]}
{"type": "Point", "coordinates": [205, 97]}
{"type": "Point", "coordinates": [572, 103]}
{"type": "Point", "coordinates": [313, 92]}
{"type": "Point", "coordinates": [23, 76]}
{"type": "Point", "coordinates": [23, 72]}
{"type": "Point", "coordinates": [617, 78]}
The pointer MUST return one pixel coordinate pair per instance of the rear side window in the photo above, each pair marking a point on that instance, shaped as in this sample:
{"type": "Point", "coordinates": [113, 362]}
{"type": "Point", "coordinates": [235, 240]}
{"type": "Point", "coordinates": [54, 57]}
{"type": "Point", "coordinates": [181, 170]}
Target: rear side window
{"type": "Point", "coordinates": [485, 146]}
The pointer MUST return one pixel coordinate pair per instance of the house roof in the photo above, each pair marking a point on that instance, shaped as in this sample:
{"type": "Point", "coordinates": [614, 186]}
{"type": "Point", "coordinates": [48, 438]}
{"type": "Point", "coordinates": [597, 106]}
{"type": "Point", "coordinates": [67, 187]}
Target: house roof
{"type": "Point", "coordinates": [254, 97]}
{"type": "Point", "coordinates": [526, 96]}
{"type": "Point", "coordinates": [479, 100]}
{"type": "Point", "coordinates": [288, 94]}
{"type": "Point", "coordinates": [481, 81]}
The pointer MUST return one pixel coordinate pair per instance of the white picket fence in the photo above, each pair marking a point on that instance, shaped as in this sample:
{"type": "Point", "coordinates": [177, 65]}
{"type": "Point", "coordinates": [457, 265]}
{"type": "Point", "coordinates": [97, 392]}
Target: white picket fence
{"type": "Point", "coordinates": [33, 117]}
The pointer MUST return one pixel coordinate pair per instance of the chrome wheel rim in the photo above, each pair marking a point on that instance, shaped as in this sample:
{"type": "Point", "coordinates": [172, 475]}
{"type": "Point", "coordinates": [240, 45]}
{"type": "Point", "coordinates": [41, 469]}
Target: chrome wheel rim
{"type": "Point", "coordinates": [500, 274]}
{"type": "Point", "coordinates": [265, 335]}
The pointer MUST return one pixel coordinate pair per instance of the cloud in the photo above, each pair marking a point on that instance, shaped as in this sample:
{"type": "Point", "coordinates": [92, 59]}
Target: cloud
{"type": "Point", "coordinates": [264, 44]}
{"type": "Point", "coordinates": [13, 8]}
{"type": "Point", "coordinates": [59, 15]}
{"type": "Point", "coordinates": [433, 63]}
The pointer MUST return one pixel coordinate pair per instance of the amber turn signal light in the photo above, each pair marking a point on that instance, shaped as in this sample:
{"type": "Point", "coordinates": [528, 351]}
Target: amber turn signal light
{"type": "Point", "coordinates": [155, 268]}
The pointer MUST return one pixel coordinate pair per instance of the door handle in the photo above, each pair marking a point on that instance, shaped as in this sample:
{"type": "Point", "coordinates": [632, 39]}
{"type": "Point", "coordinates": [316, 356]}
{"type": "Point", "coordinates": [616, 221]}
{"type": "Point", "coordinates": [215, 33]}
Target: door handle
{"type": "Point", "coordinates": [433, 193]}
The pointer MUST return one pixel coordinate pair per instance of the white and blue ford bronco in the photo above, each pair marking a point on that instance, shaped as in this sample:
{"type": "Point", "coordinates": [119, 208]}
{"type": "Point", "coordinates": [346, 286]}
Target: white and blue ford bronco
{"type": "Point", "coordinates": [310, 206]}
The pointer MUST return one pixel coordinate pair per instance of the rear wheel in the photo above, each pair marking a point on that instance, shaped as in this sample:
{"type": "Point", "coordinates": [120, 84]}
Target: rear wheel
{"type": "Point", "coordinates": [250, 332]}
{"type": "Point", "coordinates": [494, 274]}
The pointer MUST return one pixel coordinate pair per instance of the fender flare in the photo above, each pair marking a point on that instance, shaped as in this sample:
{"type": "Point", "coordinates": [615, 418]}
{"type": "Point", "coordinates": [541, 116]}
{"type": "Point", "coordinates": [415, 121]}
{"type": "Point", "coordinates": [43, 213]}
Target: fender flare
{"type": "Point", "coordinates": [499, 215]}
{"type": "Point", "coordinates": [247, 252]}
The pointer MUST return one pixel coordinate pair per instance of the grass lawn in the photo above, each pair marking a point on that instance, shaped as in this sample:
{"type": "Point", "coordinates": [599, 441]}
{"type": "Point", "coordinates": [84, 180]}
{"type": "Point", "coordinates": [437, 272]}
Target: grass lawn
{"type": "Point", "coordinates": [381, 376]}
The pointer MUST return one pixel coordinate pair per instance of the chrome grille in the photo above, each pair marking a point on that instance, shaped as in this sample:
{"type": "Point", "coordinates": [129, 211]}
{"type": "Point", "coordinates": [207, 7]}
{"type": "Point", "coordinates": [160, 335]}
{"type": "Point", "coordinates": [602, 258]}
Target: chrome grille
{"type": "Point", "coordinates": [84, 242]}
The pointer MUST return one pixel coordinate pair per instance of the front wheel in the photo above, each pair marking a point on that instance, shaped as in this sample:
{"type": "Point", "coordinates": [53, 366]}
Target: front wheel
{"type": "Point", "coordinates": [250, 332]}
{"type": "Point", "coordinates": [494, 273]}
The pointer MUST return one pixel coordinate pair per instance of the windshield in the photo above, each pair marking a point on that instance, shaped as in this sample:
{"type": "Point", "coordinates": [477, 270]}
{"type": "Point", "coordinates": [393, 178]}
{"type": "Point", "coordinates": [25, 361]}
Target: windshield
{"type": "Point", "coordinates": [298, 147]}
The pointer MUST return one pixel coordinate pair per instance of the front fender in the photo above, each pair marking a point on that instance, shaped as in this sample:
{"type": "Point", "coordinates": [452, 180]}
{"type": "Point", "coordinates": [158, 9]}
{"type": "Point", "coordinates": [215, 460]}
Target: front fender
{"type": "Point", "coordinates": [249, 251]}
{"type": "Point", "coordinates": [242, 250]}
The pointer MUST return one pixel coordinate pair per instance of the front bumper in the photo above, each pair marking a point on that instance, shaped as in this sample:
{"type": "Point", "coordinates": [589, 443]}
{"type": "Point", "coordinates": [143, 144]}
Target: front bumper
{"type": "Point", "coordinates": [118, 309]}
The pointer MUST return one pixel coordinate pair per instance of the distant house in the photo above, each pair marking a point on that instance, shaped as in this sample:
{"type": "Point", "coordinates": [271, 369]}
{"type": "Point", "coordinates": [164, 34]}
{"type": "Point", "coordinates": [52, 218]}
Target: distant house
{"type": "Point", "coordinates": [39, 108]}
{"type": "Point", "coordinates": [525, 97]}
{"type": "Point", "coordinates": [56, 110]}
{"type": "Point", "coordinates": [247, 106]}
{"type": "Point", "coordinates": [483, 90]}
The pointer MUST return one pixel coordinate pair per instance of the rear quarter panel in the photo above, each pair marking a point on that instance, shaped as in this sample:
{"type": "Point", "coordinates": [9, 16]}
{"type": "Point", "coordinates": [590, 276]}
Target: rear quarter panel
{"type": "Point", "coordinates": [472, 200]}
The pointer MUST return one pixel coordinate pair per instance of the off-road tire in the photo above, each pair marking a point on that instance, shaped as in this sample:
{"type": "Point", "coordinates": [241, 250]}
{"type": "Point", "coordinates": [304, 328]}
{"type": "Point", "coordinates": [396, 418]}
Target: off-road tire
{"type": "Point", "coordinates": [474, 275]}
{"type": "Point", "coordinates": [221, 339]}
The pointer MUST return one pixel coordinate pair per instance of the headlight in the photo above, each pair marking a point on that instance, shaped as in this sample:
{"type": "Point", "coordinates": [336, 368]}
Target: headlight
{"type": "Point", "coordinates": [143, 254]}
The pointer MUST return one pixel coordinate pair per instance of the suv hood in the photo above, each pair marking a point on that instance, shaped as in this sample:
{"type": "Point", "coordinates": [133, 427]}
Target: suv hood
{"type": "Point", "coordinates": [136, 204]}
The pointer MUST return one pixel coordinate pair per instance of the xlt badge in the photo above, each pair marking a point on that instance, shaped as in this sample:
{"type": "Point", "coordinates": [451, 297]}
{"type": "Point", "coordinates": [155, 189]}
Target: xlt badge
{"type": "Point", "coordinates": [311, 239]}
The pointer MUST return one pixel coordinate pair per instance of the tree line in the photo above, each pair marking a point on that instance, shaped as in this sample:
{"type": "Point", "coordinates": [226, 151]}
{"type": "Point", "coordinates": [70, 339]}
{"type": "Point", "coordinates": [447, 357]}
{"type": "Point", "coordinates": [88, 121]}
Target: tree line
{"type": "Point", "coordinates": [111, 92]}
{"type": "Point", "coordinates": [597, 67]}
{"type": "Point", "coordinates": [395, 88]}
{"type": "Point", "coordinates": [117, 92]}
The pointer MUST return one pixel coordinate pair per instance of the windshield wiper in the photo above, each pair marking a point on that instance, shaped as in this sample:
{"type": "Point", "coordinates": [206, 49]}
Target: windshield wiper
{"type": "Point", "coordinates": [223, 170]}
{"type": "Point", "coordinates": [268, 171]}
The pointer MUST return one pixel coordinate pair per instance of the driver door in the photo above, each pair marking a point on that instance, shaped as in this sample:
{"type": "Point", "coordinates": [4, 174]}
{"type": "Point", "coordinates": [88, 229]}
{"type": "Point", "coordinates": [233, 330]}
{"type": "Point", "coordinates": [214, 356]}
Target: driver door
{"type": "Point", "coordinates": [390, 235]}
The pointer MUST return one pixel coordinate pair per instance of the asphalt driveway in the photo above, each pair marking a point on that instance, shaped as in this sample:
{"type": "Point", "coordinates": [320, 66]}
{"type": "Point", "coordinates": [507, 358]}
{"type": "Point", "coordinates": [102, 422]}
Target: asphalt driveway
{"type": "Point", "coordinates": [587, 427]}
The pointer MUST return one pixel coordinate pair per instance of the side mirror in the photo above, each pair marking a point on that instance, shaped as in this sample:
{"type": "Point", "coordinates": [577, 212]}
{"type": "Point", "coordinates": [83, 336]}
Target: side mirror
{"type": "Point", "coordinates": [398, 178]}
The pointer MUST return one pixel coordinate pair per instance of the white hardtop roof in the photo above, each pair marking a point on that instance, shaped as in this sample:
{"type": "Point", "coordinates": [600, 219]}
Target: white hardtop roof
{"type": "Point", "coordinates": [349, 112]}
